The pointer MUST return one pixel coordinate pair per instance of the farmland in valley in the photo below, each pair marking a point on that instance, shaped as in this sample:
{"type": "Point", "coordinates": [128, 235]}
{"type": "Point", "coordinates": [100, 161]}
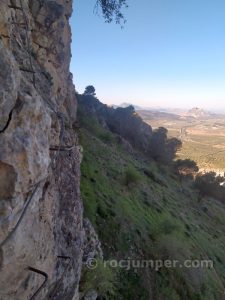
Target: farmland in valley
{"type": "Point", "coordinates": [202, 135]}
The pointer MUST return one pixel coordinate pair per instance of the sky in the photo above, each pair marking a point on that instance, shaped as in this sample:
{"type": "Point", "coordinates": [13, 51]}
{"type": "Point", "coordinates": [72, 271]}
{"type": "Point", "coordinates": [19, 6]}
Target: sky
{"type": "Point", "coordinates": [170, 53]}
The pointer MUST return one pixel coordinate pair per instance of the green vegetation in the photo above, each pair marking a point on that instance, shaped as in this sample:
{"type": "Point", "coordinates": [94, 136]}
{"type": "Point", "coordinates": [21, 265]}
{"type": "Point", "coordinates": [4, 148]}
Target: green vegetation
{"type": "Point", "coordinates": [209, 185]}
{"type": "Point", "coordinates": [155, 219]}
{"type": "Point", "coordinates": [101, 279]}
{"type": "Point", "coordinates": [142, 206]}
{"type": "Point", "coordinates": [112, 10]}
{"type": "Point", "coordinates": [186, 167]}
{"type": "Point", "coordinates": [163, 149]}
{"type": "Point", "coordinates": [131, 176]}
{"type": "Point", "coordinates": [89, 90]}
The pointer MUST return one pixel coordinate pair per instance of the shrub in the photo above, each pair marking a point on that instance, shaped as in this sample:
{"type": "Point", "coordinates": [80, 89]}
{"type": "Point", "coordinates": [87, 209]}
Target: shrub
{"type": "Point", "coordinates": [167, 227]}
{"type": "Point", "coordinates": [131, 176]}
{"type": "Point", "coordinates": [163, 149]}
{"type": "Point", "coordinates": [208, 184]}
{"type": "Point", "coordinates": [101, 279]}
{"type": "Point", "coordinates": [90, 91]}
{"type": "Point", "coordinates": [106, 137]}
{"type": "Point", "coordinates": [186, 167]}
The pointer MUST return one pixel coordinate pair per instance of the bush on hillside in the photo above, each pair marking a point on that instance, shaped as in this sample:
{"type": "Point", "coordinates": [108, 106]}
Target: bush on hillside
{"type": "Point", "coordinates": [90, 91]}
{"type": "Point", "coordinates": [167, 226]}
{"type": "Point", "coordinates": [106, 137]}
{"type": "Point", "coordinates": [101, 279]}
{"type": "Point", "coordinates": [163, 149]}
{"type": "Point", "coordinates": [131, 176]}
{"type": "Point", "coordinates": [208, 184]}
{"type": "Point", "coordinates": [186, 168]}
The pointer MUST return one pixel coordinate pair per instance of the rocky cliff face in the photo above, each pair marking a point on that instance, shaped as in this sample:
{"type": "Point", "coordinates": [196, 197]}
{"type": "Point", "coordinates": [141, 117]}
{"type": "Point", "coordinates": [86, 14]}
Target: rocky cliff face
{"type": "Point", "coordinates": [40, 207]}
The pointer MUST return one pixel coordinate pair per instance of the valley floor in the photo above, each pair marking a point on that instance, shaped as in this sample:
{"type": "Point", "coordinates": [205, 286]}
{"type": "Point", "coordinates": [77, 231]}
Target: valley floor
{"type": "Point", "coordinates": [203, 140]}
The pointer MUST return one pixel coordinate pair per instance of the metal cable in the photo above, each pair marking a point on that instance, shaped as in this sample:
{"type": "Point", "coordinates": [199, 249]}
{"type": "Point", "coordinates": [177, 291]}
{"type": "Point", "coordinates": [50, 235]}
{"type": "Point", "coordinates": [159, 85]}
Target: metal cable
{"type": "Point", "coordinates": [62, 148]}
{"type": "Point", "coordinates": [22, 215]}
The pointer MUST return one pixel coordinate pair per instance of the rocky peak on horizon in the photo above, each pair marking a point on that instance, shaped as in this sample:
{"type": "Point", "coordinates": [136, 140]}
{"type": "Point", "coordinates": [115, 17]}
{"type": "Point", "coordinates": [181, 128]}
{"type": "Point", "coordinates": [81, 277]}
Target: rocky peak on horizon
{"type": "Point", "coordinates": [197, 112]}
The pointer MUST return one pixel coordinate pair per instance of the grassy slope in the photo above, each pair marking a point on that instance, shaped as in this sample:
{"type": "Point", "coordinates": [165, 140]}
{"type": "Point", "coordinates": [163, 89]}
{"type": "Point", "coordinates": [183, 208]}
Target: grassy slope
{"type": "Point", "coordinates": [150, 219]}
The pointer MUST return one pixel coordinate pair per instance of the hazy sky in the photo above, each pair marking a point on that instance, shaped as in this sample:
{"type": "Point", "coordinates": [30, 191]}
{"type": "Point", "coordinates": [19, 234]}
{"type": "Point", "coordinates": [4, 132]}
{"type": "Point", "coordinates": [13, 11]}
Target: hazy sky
{"type": "Point", "coordinates": [170, 53]}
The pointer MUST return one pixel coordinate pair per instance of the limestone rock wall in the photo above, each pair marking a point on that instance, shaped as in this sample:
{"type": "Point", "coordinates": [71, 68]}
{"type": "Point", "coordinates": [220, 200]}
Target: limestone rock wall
{"type": "Point", "coordinates": [41, 226]}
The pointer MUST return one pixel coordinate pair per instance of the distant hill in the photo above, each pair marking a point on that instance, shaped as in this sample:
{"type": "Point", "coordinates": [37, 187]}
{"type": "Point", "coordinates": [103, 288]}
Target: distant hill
{"type": "Point", "coordinates": [196, 112]}
{"type": "Point", "coordinates": [166, 110]}
{"type": "Point", "coordinates": [171, 113]}
{"type": "Point", "coordinates": [126, 104]}
{"type": "Point", "coordinates": [151, 114]}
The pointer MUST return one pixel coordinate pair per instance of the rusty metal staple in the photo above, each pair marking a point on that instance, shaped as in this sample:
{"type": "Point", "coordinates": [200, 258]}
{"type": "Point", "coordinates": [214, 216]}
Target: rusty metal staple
{"type": "Point", "coordinates": [42, 285]}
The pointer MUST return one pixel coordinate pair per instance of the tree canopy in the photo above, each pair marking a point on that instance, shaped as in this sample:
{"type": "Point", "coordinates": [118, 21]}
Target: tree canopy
{"type": "Point", "coordinates": [163, 149]}
{"type": "Point", "coordinates": [90, 91]}
{"type": "Point", "coordinates": [186, 167]}
{"type": "Point", "coordinates": [112, 10]}
{"type": "Point", "coordinates": [208, 184]}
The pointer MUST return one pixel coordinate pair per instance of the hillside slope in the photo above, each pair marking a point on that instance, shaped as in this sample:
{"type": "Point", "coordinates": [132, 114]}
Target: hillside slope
{"type": "Point", "coordinates": [141, 211]}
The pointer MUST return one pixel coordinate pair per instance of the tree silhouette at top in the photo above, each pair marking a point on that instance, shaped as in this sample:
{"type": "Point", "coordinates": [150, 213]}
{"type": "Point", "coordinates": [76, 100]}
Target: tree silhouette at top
{"type": "Point", "coordinates": [90, 91]}
{"type": "Point", "coordinates": [111, 10]}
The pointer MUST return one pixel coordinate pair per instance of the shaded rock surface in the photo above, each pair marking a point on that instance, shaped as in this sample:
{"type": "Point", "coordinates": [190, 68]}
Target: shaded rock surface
{"type": "Point", "coordinates": [91, 295]}
{"type": "Point", "coordinates": [40, 205]}
{"type": "Point", "coordinates": [92, 244]}
{"type": "Point", "coordinates": [92, 251]}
